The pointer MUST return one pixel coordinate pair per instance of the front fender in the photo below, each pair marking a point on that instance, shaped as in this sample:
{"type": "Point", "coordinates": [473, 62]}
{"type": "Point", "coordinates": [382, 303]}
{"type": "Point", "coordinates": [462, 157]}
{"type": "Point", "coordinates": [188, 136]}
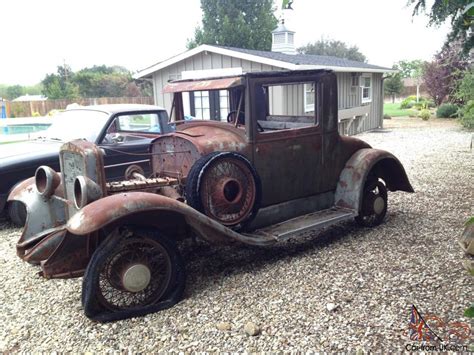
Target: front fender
{"type": "Point", "coordinates": [116, 208]}
{"type": "Point", "coordinates": [352, 178]}
{"type": "Point", "coordinates": [48, 213]}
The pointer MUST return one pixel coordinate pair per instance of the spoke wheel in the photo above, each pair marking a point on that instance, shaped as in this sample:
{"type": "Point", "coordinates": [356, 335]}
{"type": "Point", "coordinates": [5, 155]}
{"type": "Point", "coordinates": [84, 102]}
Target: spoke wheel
{"type": "Point", "coordinates": [133, 272]}
{"type": "Point", "coordinates": [225, 187]}
{"type": "Point", "coordinates": [136, 273]}
{"type": "Point", "coordinates": [374, 204]}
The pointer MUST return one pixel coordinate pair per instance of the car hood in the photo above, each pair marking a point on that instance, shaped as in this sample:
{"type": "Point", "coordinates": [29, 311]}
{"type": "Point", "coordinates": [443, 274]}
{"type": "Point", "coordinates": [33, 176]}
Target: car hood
{"type": "Point", "coordinates": [18, 154]}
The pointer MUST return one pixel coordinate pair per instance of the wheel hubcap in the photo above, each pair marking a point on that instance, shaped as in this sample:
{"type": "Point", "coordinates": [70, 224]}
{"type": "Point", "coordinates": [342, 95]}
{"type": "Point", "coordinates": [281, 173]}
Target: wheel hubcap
{"type": "Point", "coordinates": [379, 205]}
{"type": "Point", "coordinates": [136, 278]}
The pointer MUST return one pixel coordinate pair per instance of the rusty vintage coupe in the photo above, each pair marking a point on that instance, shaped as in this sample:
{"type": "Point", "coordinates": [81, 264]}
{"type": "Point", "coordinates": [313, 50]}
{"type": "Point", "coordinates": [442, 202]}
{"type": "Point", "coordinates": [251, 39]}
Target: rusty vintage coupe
{"type": "Point", "coordinates": [274, 168]}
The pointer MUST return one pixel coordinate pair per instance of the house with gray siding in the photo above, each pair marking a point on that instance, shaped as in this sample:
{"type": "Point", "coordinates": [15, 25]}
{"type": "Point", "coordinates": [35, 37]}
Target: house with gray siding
{"type": "Point", "coordinates": [360, 85]}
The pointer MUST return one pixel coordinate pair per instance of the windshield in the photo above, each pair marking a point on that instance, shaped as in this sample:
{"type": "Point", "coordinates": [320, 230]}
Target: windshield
{"type": "Point", "coordinates": [76, 124]}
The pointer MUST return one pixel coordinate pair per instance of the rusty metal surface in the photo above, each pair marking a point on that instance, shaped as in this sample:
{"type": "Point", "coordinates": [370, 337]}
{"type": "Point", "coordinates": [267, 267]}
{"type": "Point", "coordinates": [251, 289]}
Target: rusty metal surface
{"type": "Point", "coordinates": [352, 179]}
{"type": "Point", "coordinates": [139, 184]}
{"type": "Point", "coordinates": [199, 85]}
{"type": "Point", "coordinates": [80, 158]}
{"type": "Point", "coordinates": [174, 154]}
{"type": "Point", "coordinates": [70, 257]}
{"type": "Point", "coordinates": [110, 209]}
{"type": "Point", "coordinates": [44, 215]}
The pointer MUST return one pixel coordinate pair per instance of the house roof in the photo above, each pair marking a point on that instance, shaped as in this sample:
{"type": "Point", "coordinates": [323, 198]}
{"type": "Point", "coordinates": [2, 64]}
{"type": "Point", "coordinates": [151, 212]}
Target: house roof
{"type": "Point", "coordinates": [277, 59]}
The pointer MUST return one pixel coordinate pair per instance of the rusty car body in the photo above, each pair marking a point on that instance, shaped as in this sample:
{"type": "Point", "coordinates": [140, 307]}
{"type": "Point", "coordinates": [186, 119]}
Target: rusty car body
{"type": "Point", "coordinates": [267, 174]}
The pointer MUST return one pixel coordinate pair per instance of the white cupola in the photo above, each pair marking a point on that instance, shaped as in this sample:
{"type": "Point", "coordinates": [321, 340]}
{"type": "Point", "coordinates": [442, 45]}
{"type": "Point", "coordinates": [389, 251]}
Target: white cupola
{"type": "Point", "coordinates": [283, 40]}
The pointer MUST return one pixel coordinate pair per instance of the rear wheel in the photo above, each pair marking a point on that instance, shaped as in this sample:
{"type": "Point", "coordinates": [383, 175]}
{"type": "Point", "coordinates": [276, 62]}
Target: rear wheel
{"type": "Point", "coordinates": [132, 273]}
{"type": "Point", "coordinates": [374, 203]}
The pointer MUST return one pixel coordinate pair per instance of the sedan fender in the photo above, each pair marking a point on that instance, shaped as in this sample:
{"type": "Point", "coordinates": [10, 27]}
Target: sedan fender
{"type": "Point", "coordinates": [352, 178]}
{"type": "Point", "coordinates": [148, 209]}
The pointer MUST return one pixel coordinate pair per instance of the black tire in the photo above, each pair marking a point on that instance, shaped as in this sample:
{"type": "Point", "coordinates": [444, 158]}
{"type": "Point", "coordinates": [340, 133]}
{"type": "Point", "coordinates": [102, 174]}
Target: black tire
{"type": "Point", "coordinates": [372, 212]}
{"type": "Point", "coordinates": [122, 249]}
{"type": "Point", "coordinates": [244, 176]}
{"type": "Point", "coordinates": [17, 213]}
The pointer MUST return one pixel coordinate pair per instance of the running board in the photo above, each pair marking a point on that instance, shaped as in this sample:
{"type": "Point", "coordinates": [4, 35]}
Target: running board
{"type": "Point", "coordinates": [313, 221]}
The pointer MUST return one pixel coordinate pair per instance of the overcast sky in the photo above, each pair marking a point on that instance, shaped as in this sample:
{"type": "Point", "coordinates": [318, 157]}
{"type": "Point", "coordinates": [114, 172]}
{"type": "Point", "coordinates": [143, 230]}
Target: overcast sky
{"type": "Point", "coordinates": [38, 35]}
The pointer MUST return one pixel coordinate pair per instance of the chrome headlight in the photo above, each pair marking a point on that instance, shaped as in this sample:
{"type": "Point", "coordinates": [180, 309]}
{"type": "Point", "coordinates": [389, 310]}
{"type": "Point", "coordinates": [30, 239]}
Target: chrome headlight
{"type": "Point", "coordinates": [46, 181]}
{"type": "Point", "coordinates": [85, 191]}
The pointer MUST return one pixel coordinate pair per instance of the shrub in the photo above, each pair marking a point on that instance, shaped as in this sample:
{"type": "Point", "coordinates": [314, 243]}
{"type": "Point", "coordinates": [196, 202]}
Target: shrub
{"type": "Point", "coordinates": [387, 117]}
{"type": "Point", "coordinates": [35, 114]}
{"type": "Point", "coordinates": [467, 115]}
{"type": "Point", "coordinates": [425, 114]}
{"type": "Point", "coordinates": [408, 102]}
{"type": "Point", "coordinates": [447, 111]}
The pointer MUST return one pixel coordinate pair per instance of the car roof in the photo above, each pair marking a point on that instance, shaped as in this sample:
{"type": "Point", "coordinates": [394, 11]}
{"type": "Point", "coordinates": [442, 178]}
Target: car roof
{"type": "Point", "coordinates": [118, 108]}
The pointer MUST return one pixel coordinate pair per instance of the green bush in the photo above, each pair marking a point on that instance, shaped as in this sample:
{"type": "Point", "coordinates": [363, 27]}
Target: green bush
{"type": "Point", "coordinates": [425, 114]}
{"type": "Point", "coordinates": [467, 115]}
{"type": "Point", "coordinates": [447, 111]}
{"type": "Point", "coordinates": [35, 114]}
{"type": "Point", "coordinates": [408, 102]}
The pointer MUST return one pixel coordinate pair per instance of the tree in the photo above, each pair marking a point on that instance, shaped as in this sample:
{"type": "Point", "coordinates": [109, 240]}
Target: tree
{"type": "Point", "coordinates": [60, 85]}
{"type": "Point", "coordinates": [236, 23]}
{"type": "Point", "coordinates": [461, 13]}
{"type": "Point", "coordinates": [14, 91]}
{"type": "Point", "coordinates": [465, 89]}
{"type": "Point", "coordinates": [393, 85]}
{"type": "Point", "coordinates": [333, 48]}
{"type": "Point", "coordinates": [103, 81]}
{"type": "Point", "coordinates": [442, 76]}
{"type": "Point", "coordinates": [412, 69]}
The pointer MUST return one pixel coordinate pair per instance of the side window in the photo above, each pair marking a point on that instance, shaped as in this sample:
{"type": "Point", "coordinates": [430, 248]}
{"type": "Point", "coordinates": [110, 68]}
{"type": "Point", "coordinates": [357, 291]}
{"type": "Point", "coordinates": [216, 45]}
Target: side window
{"type": "Point", "coordinates": [289, 106]}
{"type": "Point", "coordinates": [129, 126]}
{"type": "Point", "coordinates": [145, 122]}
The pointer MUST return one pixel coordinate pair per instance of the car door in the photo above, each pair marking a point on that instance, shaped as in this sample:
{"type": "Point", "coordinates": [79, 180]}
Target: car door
{"type": "Point", "coordinates": [287, 149]}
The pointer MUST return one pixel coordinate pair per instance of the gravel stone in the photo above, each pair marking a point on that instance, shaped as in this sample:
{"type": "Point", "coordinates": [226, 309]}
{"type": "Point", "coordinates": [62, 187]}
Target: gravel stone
{"type": "Point", "coordinates": [412, 258]}
{"type": "Point", "coordinates": [224, 326]}
{"type": "Point", "coordinates": [252, 329]}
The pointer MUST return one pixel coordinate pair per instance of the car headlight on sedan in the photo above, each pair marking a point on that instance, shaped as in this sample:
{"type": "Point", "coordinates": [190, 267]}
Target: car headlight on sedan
{"type": "Point", "coordinates": [46, 181]}
{"type": "Point", "coordinates": [85, 191]}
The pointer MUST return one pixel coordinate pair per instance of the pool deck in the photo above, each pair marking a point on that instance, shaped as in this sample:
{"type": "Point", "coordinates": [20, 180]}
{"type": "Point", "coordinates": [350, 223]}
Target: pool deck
{"type": "Point", "coordinates": [21, 121]}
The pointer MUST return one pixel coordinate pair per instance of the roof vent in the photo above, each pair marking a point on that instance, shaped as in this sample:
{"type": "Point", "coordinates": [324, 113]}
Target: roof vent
{"type": "Point", "coordinates": [283, 40]}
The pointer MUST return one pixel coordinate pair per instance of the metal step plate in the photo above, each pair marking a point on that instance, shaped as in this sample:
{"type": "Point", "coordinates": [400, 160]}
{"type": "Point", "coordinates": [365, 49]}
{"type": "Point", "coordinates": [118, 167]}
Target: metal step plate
{"type": "Point", "coordinates": [313, 221]}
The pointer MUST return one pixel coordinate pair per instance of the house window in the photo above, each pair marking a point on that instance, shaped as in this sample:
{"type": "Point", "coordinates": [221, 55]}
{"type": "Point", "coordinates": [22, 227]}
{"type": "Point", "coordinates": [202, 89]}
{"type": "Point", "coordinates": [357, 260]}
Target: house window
{"type": "Point", "coordinates": [309, 95]}
{"type": "Point", "coordinates": [366, 85]}
{"type": "Point", "coordinates": [201, 105]}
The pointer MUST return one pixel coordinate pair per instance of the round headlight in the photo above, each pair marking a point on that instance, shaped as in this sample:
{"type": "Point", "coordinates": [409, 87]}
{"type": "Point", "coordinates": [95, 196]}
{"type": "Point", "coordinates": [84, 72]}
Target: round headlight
{"type": "Point", "coordinates": [46, 180]}
{"type": "Point", "coordinates": [85, 191]}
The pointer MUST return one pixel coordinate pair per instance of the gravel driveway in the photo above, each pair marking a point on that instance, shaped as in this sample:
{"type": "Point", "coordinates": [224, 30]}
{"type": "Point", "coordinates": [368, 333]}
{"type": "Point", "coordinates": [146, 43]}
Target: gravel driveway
{"type": "Point", "coordinates": [347, 288]}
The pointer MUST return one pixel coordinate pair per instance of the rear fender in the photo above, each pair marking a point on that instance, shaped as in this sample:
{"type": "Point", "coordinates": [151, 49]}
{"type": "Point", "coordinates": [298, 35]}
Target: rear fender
{"type": "Point", "coordinates": [352, 178]}
{"type": "Point", "coordinates": [146, 209]}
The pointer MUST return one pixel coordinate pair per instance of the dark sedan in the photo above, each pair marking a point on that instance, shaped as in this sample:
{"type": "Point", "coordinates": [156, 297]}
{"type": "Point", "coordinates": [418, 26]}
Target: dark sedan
{"type": "Point", "coordinates": [123, 131]}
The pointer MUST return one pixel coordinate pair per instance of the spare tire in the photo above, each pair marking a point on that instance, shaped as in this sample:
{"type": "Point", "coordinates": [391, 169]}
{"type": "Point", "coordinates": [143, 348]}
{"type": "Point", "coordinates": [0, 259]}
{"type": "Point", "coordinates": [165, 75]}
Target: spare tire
{"type": "Point", "coordinates": [225, 187]}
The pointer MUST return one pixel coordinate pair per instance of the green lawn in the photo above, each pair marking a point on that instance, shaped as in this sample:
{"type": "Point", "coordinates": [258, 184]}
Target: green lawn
{"type": "Point", "coordinates": [394, 110]}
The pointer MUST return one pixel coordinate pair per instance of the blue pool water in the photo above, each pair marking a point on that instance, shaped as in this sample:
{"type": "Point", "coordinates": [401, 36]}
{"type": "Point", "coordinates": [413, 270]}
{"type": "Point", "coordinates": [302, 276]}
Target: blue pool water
{"type": "Point", "coordinates": [23, 128]}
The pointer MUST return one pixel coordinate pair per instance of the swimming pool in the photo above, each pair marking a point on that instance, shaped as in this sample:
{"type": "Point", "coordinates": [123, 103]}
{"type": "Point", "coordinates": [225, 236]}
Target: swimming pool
{"type": "Point", "coordinates": [23, 128]}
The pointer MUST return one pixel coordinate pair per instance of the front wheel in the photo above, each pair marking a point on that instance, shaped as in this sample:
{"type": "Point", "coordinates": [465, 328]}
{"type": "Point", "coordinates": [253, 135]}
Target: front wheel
{"type": "Point", "coordinates": [374, 204]}
{"type": "Point", "coordinates": [132, 273]}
